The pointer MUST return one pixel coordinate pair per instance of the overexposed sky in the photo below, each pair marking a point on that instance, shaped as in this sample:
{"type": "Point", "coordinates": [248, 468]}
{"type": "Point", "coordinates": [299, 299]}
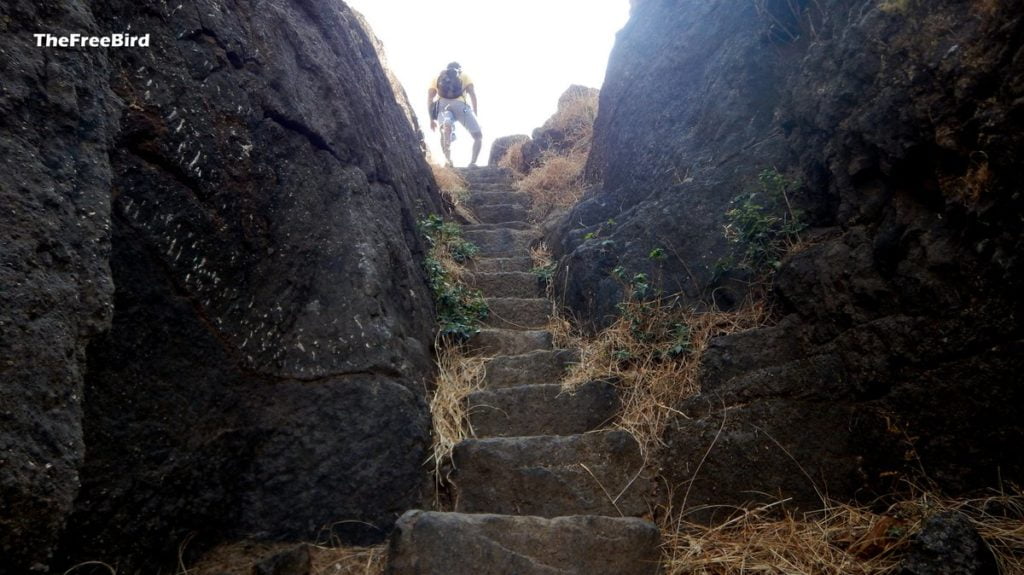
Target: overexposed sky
{"type": "Point", "coordinates": [521, 55]}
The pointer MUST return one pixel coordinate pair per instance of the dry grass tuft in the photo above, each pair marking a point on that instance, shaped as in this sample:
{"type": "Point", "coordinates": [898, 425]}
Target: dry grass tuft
{"type": "Point", "coordinates": [540, 254]}
{"type": "Point", "coordinates": [454, 188]}
{"type": "Point", "coordinates": [458, 376]}
{"type": "Point", "coordinates": [653, 351]}
{"type": "Point", "coordinates": [240, 558]}
{"type": "Point", "coordinates": [758, 541]}
{"type": "Point", "coordinates": [556, 183]}
{"type": "Point", "coordinates": [838, 540]}
{"type": "Point", "coordinates": [513, 159]}
{"type": "Point", "coordinates": [453, 185]}
{"type": "Point", "coordinates": [350, 560]}
{"type": "Point", "coordinates": [575, 120]}
{"type": "Point", "coordinates": [544, 269]}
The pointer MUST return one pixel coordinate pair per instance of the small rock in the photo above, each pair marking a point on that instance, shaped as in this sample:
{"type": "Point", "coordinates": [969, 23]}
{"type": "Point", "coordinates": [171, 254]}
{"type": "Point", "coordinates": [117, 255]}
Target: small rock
{"type": "Point", "coordinates": [948, 545]}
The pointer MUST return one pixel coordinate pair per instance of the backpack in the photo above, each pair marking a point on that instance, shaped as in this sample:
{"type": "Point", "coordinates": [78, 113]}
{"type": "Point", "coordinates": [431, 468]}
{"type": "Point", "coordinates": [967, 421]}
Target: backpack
{"type": "Point", "coordinates": [449, 84]}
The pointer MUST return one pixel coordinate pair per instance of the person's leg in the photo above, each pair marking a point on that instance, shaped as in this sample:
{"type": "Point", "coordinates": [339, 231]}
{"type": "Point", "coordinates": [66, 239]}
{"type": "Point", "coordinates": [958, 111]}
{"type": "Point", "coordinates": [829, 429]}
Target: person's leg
{"type": "Point", "coordinates": [446, 121]}
{"type": "Point", "coordinates": [468, 119]}
{"type": "Point", "coordinates": [478, 142]}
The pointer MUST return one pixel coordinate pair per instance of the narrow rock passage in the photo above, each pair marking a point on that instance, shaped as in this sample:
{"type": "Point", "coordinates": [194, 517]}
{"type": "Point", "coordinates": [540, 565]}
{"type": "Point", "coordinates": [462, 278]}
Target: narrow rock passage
{"type": "Point", "coordinates": [543, 487]}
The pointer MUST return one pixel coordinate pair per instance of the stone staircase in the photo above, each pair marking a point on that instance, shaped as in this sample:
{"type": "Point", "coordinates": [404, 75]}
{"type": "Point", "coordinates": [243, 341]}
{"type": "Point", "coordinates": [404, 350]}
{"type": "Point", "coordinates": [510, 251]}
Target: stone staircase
{"type": "Point", "coordinates": [542, 488]}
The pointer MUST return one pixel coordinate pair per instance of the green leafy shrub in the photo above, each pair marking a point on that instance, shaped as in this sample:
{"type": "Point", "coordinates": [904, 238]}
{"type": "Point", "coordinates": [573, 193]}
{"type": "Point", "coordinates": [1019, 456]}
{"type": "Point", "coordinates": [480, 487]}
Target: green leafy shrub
{"type": "Point", "coordinates": [460, 309]}
{"type": "Point", "coordinates": [762, 226]}
{"type": "Point", "coordinates": [448, 237]}
{"type": "Point", "coordinates": [544, 273]}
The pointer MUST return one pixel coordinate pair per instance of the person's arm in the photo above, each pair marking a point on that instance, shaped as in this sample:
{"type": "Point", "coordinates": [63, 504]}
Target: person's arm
{"type": "Point", "coordinates": [431, 92]}
{"type": "Point", "coordinates": [472, 96]}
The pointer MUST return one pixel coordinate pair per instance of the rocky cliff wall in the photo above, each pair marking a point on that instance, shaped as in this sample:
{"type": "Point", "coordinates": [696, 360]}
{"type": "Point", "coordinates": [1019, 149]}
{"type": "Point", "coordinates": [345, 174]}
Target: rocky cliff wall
{"type": "Point", "coordinates": [56, 119]}
{"type": "Point", "coordinates": [900, 329]}
{"type": "Point", "coordinates": [248, 189]}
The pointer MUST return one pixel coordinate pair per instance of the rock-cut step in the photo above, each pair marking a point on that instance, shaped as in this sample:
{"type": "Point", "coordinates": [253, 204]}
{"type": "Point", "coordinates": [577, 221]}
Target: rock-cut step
{"type": "Point", "coordinates": [500, 264]}
{"type": "Point", "coordinates": [518, 313]}
{"type": "Point", "coordinates": [599, 473]}
{"type": "Point", "coordinates": [480, 175]}
{"type": "Point", "coordinates": [434, 543]}
{"type": "Point", "coordinates": [498, 213]}
{"type": "Point", "coordinates": [500, 226]}
{"type": "Point", "coordinates": [495, 341]}
{"type": "Point", "coordinates": [535, 367]}
{"type": "Point", "coordinates": [542, 410]}
{"type": "Point", "coordinates": [501, 242]}
{"type": "Point", "coordinates": [507, 284]}
{"type": "Point", "coordinates": [497, 197]}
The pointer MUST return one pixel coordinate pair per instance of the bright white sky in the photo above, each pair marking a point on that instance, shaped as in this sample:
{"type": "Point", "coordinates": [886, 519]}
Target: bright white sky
{"type": "Point", "coordinates": [520, 54]}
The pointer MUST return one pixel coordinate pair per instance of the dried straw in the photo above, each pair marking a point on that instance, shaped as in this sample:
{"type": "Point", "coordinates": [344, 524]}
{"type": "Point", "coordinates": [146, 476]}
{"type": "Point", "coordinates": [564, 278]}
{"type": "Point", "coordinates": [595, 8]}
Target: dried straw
{"type": "Point", "coordinates": [458, 375]}
{"type": "Point", "coordinates": [652, 383]}
{"type": "Point", "coordinates": [838, 540]}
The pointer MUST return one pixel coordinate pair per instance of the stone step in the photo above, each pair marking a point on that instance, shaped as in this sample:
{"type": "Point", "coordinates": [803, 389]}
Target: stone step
{"type": "Point", "coordinates": [536, 367]}
{"type": "Point", "coordinates": [506, 284]}
{"type": "Point", "coordinates": [599, 473]}
{"type": "Point", "coordinates": [494, 342]}
{"type": "Point", "coordinates": [479, 198]}
{"type": "Point", "coordinates": [498, 213]}
{"type": "Point", "coordinates": [481, 264]}
{"type": "Point", "coordinates": [501, 242]}
{"type": "Point", "coordinates": [496, 186]}
{"type": "Point", "coordinates": [435, 543]}
{"type": "Point", "coordinates": [542, 410]}
{"type": "Point", "coordinates": [500, 226]}
{"type": "Point", "coordinates": [476, 177]}
{"type": "Point", "coordinates": [518, 313]}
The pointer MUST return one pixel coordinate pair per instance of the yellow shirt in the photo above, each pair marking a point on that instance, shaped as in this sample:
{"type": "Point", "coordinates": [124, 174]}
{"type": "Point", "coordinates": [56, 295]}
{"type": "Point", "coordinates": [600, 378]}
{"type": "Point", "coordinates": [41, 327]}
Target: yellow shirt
{"type": "Point", "coordinates": [466, 82]}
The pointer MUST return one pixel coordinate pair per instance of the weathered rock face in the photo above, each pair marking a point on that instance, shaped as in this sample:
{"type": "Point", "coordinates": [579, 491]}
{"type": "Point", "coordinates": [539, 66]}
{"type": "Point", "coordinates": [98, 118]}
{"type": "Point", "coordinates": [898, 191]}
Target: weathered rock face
{"type": "Point", "coordinates": [901, 343]}
{"type": "Point", "coordinates": [263, 371]}
{"type": "Point", "coordinates": [685, 122]}
{"type": "Point", "coordinates": [55, 118]}
{"type": "Point", "coordinates": [400, 96]}
{"type": "Point", "coordinates": [501, 146]}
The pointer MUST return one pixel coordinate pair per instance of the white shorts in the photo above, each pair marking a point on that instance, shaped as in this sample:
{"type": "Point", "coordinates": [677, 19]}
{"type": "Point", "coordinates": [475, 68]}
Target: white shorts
{"type": "Point", "coordinates": [462, 112]}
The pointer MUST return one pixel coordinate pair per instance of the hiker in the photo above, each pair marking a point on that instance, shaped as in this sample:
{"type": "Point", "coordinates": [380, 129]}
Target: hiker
{"type": "Point", "coordinates": [450, 88]}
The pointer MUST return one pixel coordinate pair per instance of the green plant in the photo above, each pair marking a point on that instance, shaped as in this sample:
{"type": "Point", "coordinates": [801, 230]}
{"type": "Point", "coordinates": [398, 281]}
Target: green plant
{"type": "Point", "coordinates": [762, 226]}
{"type": "Point", "coordinates": [656, 254]}
{"type": "Point", "coordinates": [447, 236]}
{"type": "Point", "coordinates": [593, 235]}
{"type": "Point", "coordinates": [544, 272]}
{"type": "Point", "coordinates": [460, 310]}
